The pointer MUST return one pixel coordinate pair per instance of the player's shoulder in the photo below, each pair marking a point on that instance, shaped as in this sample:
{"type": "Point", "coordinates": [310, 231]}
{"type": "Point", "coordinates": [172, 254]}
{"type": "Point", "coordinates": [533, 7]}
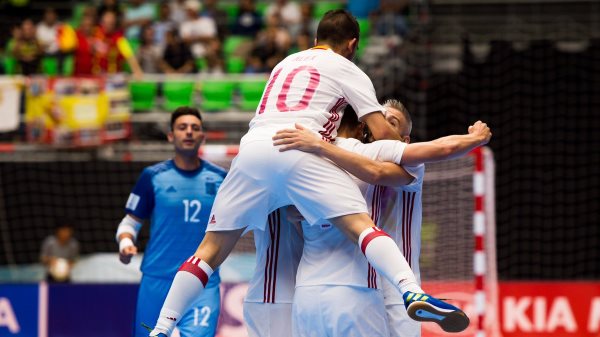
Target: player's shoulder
{"type": "Point", "coordinates": [158, 168]}
{"type": "Point", "coordinates": [418, 172]}
{"type": "Point", "coordinates": [214, 168]}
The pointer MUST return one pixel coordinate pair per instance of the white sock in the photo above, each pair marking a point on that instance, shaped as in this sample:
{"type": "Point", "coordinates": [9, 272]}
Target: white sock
{"type": "Point", "coordinates": [385, 256]}
{"type": "Point", "coordinates": [188, 284]}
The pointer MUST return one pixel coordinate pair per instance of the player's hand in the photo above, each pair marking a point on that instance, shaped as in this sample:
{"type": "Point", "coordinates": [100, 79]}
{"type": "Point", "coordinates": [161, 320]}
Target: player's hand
{"type": "Point", "coordinates": [481, 130]}
{"type": "Point", "coordinates": [299, 138]}
{"type": "Point", "coordinates": [127, 253]}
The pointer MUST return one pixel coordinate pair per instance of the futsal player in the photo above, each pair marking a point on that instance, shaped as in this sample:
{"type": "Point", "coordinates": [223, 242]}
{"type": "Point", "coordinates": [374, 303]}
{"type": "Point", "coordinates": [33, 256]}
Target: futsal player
{"type": "Point", "coordinates": [310, 87]}
{"type": "Point", "coordinates": [176, 195]}
{"type": "Point", "coordinates": [335, 283]}
{"type": "Point", "coordinates": [268, 303]}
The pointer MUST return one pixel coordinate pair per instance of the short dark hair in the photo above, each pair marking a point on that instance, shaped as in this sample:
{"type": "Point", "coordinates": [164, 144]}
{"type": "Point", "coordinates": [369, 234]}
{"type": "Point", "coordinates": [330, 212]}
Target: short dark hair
{"type": "Point", "coordinates": [349, 119]}
{"type": "Point", "coordinates": [182, 111]}
{"type": "Point", "coordinates": [337, 26]}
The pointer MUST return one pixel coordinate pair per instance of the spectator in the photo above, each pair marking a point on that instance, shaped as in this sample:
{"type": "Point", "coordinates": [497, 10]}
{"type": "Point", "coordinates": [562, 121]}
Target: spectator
{"type": "Point", "coordinates": [200, 33]}
{"type": "Point", "coordinates": [220, 17]}
{"type": "Point", "coordinates": [47, 32]}
{"type": "Point", "coordinates": [178, 13]}
{"type": "Point", "coordinates": [304, 40]}
{"type": "Point", "coordinates": [270, 47]}
{"type": "Point", "coordinates": [248, 21]}
{"type": "Point", "coordinates": [108, 50]}
{"type": "Point", "coordinates": [83, 54]}
{"type": "Point", "coordinates": [163, 25]}
{"type": "Point", "coordinates": [308, 24]}
{"type": "Point", "coordinates": [149, 53]}
{"type": "Point", "coordinates": [390, 18]}
{"type": "Point", "coordinates": [59, 253]}
{"type": "Point", "coordinates": [137, 15]}
{"type": "Point", "coordinates": [27, 50]}
{"type": "Point", "coordinates": [177, 58]}
{"type": "Point", "coordinates": [288, 13]}
{"type": "Point", "coordinates": [110, 6]}
{"type": "Point", "coordinates": [16, 34]}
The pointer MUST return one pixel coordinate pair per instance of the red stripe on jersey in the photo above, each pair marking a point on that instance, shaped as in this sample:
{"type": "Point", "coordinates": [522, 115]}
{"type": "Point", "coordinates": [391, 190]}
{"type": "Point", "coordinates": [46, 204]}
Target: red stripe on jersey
{"type": "Point", "coordinates": [329, 126]}
{"type": "Point", "coordinates": [195, 270]}
{"type": "Point", "coordinates": [266, 277]}
{"type": "Point", "coordinates": [277, 236]}
{"type": "Point", "coordinates": [412, 207]}
{"type": "Point", "coordinates": [376, 233]}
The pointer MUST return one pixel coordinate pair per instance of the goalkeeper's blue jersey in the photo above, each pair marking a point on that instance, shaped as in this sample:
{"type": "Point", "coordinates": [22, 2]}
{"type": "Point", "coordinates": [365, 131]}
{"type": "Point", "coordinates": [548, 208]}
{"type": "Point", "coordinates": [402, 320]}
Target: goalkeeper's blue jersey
{"type": "Point", "coordinates": [178, 203]}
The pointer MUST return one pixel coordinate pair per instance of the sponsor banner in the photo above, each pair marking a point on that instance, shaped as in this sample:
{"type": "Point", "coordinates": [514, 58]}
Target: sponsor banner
{"type": "Point", "coordinates": [19, 310]}
{"type": "Point", "coordinates": [525, 309]}
{"type": "Point", "coordinates": [552, 309]}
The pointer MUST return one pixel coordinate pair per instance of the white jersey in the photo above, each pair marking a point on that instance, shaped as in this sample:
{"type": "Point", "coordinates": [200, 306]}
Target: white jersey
{"type": "Point", "coordinates": [402, 217]}
{"type": "Point", "coordinates": [278, 251]}
{"type": "Point", "coordinates": [312, 88]}
{"type": "Point", "coordinates": [329, 258]}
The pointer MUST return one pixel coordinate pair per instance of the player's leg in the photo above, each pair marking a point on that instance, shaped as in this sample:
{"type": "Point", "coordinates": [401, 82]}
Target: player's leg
{"type": "Point", "coordinates": [202, 317]}
{"type": "Point", "coordinates": [151, 295]}
{"type": "Point", "coordinates": [192, 277]}
{"type": "Point", "coordinates": [400, 325]}
{"type": "Point", "coordinates": [380, 249]}
{"type": "Point", "coordinates": [244, 199]}
{"type": "Point", "coordinates": [385, 256]}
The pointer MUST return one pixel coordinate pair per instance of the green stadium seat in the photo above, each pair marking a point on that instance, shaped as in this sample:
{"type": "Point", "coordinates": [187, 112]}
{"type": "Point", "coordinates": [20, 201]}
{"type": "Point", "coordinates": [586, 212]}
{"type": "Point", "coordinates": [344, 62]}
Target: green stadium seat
{"type": "Point", "coordinates": [217, 95]}
{"type": "Point", "coordinates": [232, 43]}
{"type": "Point", "coordinates": [10, 65]}
{"type": "Point", "coordinates": [77, 14]}
{"type": "Point", "coordinates": [362, 45]}
{"type": "Point", "coordinates": [250, 94]}
{"type": "Point", "coordinates": [50, 66]}
{"type": "Point", "coordinates": [365, 27]}
{"type": "Point", "coordinates": [142, 95]}
{"type": "Point", "coordinates": [135, 44]}
{"type": "Point", "coordinates": [201, 64]}
{"type": "Point", "coordinates": [235, 65]}
{"type": "Point", "coordinates": [231, 8]}
{"type": "Point", "coordinates": [68, 66]}
{"type": "Point", "coordinates": [322, 7]}
{"type": "Point", "coordinates": [261, 7]}
{"type": "Point", "coordinates": [177, 94]}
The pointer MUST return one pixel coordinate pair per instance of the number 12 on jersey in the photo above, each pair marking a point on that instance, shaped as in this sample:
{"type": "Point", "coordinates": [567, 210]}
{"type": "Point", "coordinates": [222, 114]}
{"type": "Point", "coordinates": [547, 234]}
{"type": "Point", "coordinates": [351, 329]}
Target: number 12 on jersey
{"type": "Point", "coordinates": [192, 209]}
{"type": "Point", "coordinates": [309, 90]}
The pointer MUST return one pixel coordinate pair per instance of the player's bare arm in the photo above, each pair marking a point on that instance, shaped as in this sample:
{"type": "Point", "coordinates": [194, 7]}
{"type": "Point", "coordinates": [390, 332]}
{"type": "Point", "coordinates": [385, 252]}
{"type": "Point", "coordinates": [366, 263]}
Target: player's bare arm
{"type": "Point", "coordinates": [448, 147]}
{"type": "Point", "coordinates": [380, 128]}
{"type": "Point", "coordinates": [370, 171]}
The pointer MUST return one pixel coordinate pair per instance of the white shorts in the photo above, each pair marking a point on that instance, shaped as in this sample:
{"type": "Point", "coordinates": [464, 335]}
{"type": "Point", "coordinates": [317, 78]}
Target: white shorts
{"type": "Point", "coordinates": [268, 319]}
{"type": "Point", "coordinates": [263, 179]}
{"type": "Point", "coordinates": [400, 324]}
{"type": "Point", "coordinates": [338, 311]}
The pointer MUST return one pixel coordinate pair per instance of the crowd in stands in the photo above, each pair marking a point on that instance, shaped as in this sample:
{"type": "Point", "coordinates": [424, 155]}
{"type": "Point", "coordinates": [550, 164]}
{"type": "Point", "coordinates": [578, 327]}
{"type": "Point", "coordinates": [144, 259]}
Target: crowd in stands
{"type": "Point", "coordinates": [175, 36]}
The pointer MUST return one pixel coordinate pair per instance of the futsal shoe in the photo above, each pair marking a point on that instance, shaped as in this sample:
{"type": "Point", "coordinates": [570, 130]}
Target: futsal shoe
{"type": "Point", "coordinates": [426, 308]}
{"type": "Point", "coordinates": [152, 332]}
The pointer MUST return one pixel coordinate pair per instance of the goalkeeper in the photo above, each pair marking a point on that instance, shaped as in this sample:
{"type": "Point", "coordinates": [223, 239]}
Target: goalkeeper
{"type": "Point", "coordinates": [177, 196]}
